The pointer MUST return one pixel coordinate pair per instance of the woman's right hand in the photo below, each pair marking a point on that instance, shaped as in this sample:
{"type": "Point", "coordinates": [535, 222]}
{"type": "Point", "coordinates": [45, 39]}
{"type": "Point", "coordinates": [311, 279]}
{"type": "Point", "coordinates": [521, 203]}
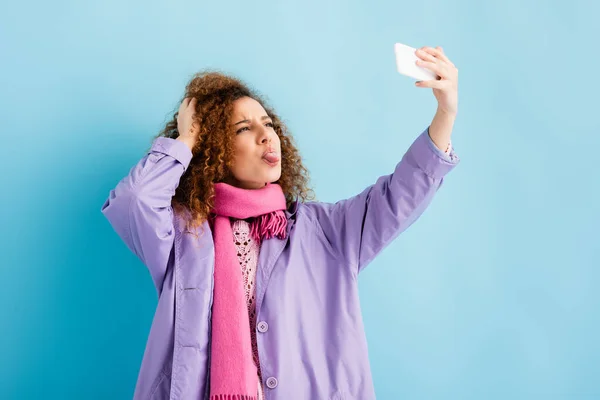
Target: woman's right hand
{"type": "Point", "coordinates": [186, 126]}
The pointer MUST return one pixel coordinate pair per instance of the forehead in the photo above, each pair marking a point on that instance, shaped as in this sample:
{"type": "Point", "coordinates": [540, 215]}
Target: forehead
{"type": "Point", "coordinates": [247, 107]}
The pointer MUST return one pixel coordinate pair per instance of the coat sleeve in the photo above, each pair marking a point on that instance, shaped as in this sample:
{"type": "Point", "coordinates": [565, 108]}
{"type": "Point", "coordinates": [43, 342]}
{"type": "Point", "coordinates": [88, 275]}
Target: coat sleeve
{"type": "Point", "coordinates": [139, 207]}
{"type": "Point", "coordinates": [360, 227]}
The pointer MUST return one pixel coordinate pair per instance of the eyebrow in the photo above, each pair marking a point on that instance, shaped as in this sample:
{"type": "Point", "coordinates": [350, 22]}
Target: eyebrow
{"type": "Point", "coordinates": [247, 120]}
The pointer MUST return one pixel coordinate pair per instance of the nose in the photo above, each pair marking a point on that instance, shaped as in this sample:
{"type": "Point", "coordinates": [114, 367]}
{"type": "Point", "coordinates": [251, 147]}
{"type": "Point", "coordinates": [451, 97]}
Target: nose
{"type": "Point", "coordinates": [266, 135]}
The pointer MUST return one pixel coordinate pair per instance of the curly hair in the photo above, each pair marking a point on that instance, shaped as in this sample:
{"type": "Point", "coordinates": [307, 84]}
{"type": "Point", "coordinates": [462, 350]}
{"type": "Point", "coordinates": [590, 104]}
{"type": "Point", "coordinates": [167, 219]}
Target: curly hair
{"type": "Point", "coordinates": [213, 152]}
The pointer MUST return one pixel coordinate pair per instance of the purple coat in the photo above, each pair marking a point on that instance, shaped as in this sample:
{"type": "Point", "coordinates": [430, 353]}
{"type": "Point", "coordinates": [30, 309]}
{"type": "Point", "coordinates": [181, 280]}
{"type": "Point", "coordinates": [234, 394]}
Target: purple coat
{"type": "Point", "coordinates": [310, 333]}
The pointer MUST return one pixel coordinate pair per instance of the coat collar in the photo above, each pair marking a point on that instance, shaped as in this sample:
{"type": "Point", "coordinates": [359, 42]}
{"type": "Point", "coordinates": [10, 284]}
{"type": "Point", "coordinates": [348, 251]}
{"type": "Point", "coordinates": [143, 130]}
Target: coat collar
{"type": "Point", "coordinates": [291, 211]}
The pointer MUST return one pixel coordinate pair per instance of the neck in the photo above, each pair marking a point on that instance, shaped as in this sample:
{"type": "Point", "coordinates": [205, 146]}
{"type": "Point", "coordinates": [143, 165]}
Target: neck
{"type": "Point", "coordinates": [245, 185]}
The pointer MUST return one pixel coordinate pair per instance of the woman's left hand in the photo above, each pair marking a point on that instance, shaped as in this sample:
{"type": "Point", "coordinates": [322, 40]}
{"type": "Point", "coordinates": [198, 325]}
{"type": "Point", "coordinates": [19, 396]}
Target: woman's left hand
{"type": "Point", "coordinates": [445, 88]}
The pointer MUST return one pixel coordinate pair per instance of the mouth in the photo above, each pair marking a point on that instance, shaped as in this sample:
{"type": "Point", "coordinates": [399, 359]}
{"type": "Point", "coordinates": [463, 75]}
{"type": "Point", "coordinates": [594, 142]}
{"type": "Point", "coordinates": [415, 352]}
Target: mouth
{"type": "Point", "coordinates": [271, 157]}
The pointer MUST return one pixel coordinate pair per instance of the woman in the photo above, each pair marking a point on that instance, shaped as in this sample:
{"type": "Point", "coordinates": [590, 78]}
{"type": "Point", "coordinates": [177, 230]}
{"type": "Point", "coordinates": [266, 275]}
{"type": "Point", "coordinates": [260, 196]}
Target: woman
{"type": "Point", "coordinates": [257, 283]}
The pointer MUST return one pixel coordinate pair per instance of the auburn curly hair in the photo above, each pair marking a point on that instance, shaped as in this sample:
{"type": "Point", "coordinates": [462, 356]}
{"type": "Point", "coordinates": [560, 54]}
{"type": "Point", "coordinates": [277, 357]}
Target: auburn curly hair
{"type": "Point", "coordinates": [213, 152]}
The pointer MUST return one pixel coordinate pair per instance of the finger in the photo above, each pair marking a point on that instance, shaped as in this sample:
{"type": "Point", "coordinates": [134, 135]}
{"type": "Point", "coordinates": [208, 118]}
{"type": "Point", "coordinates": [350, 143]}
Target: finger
{"type": "Point", "coordinates": [430, 57]}
{"type": "Point", "coordinates": [438, 53]}
{"type": "Point", "coordinates": [425, 56]}
{"type": "Point", "coordinates": [433, 84]}
{"type": "Point", "coordinates": [444, 57]}
{"type": "Point", "coordinates": [434, 67]}
{"type": "Point", "coordinates": [183, 105]}
{"type": "Point", "coordinates": [435, 52]}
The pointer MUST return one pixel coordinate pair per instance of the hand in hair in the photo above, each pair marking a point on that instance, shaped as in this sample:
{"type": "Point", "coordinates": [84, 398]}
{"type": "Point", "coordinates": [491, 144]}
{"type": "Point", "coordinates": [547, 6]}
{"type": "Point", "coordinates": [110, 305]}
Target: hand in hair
{"type": "Point", "coordinates": [186, 125]}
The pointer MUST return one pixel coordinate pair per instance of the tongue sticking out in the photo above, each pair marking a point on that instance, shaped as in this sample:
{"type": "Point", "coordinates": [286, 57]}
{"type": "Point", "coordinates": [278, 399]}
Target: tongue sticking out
{"type": "Point", "coordinates": [271, 157]}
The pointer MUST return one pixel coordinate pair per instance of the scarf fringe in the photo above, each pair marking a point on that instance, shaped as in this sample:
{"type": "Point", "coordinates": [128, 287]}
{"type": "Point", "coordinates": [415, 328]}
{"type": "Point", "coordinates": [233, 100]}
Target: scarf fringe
{"type": "Point", "coordinates": [232, 397]}
{"type": "Point", "coordinates": [269, 225]}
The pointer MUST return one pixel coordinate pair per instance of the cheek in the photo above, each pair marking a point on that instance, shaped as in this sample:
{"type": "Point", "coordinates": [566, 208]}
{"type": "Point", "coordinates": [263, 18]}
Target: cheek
{"type": "Point", "coordinates": [277, 142]}
{"type": "Point", "coordinates": [240, 149]}
{"type": "Point", "coordinates": [243, 155]}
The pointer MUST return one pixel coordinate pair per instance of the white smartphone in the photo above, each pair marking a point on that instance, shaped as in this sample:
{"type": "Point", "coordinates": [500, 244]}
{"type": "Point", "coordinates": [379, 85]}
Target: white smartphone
{"type": "Point", "coordinates": [405, 63]}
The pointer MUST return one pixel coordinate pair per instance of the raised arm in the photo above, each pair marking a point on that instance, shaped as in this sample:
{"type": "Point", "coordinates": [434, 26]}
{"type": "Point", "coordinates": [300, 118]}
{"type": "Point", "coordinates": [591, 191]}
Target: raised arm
{"type": "Point", "coordinates": [139, 207]}
{"type": "Point", "coordinates": [360, 227]}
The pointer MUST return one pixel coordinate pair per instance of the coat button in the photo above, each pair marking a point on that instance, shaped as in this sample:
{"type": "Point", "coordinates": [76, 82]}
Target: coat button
{"type": "Point", "coordinates": [272, 382]}
{"type": "Point", "coordinates": [263, 327]}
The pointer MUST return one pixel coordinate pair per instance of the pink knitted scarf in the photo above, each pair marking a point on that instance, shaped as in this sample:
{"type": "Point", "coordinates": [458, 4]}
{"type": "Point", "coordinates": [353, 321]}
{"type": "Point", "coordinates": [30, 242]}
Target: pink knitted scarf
{"type": "Point", "coordinates": [232, 370]}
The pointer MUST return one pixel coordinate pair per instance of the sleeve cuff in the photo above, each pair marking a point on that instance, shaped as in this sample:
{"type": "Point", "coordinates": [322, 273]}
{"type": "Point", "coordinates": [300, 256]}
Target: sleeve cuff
{"type": "Point", "coordinates": [174, 148]}
{"type": "Point", "coordinates": [433, 161]}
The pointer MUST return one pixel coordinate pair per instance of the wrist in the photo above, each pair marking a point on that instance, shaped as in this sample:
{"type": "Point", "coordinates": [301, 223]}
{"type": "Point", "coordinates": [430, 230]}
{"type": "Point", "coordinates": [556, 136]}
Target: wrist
{"type": "Point", "coordinates": [446, 114]}
{"type": "Point", "coordinates": [190, 142]}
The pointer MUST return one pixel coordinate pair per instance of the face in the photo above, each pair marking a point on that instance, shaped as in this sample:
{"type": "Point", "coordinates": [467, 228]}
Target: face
{"type": "Point", "coordinates": [257, 148]}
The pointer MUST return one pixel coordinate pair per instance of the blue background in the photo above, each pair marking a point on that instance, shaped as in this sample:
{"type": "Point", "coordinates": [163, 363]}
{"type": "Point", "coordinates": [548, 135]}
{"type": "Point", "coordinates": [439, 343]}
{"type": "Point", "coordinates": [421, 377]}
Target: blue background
{"type": "Point", "coordinates": [491, 294]}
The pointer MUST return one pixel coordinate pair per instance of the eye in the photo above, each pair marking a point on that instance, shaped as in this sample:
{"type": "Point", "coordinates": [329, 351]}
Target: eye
{"type": "Point", "coordinates": [242, 129]}
{"type": "Point", "coordinates": [270, 124]}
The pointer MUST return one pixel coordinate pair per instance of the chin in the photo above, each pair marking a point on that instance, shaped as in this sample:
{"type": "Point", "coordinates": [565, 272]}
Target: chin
{"type": "Point", "coordinates": [273, 178]}
{"type": "Point", "coordinates": [259, 179]}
